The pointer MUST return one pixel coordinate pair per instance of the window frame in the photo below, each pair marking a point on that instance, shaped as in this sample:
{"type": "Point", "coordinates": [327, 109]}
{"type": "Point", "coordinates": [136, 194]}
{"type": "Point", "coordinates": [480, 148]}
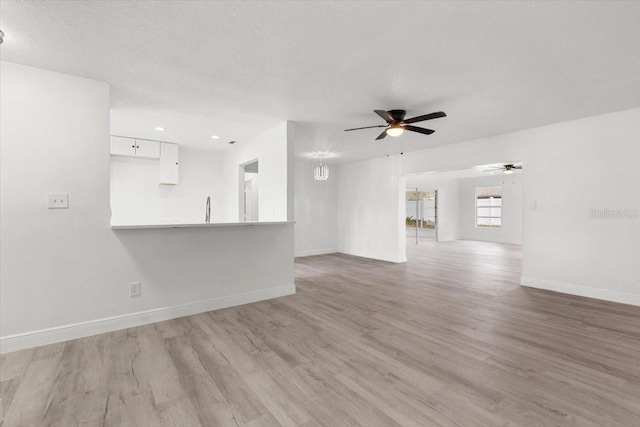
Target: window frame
{"type": "Point", "coordinates": [477, 216]}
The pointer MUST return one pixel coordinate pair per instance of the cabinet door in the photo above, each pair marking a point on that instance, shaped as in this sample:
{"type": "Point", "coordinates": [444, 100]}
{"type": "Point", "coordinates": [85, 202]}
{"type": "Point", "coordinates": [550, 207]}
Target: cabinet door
{"type": "Point", "coordinates": [147, 149]}
{"type": "Point", "coordinates": [123, 146]}
{"type": "Point", "coordinates": [168, 163]}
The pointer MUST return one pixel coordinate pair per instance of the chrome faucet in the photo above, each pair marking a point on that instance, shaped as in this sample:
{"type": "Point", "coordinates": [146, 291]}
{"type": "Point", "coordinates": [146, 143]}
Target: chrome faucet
{"type": "Point", "coordinates": [207, 215]}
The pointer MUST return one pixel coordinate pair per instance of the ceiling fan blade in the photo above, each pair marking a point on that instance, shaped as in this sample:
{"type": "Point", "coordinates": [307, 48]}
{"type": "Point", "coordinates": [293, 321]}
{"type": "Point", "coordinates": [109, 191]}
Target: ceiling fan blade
{"type": "Point", "coordinates": [366, 127]}
{"type": "Point", "coordinates": [419, 130]}
{"type": "Point", "coordinates": [386, 116]}
{"type": "Point", "coordinates": [382, 135]}
{"type": "Point", "coordinates": [425, 117]}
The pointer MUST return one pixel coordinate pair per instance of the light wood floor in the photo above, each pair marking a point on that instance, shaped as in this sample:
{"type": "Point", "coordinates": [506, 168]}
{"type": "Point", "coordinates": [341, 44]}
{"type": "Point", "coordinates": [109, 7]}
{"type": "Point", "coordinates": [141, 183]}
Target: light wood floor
{"type": "Point", "coordinates": [449, 339]}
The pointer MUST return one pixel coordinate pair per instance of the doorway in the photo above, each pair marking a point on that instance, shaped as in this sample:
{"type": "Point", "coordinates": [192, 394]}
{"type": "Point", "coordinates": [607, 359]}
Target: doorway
{"type": "Point", "coordinates": [249, 185]}
{"type": "Point", "coordinates": [422, 215]}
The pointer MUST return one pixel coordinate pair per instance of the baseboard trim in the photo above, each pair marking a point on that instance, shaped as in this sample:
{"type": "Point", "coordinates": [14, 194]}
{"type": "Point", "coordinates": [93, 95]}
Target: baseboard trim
{"type": "Point", "coordinates": [57, 334]}
{"type": "Point", "coordinates": [505, 242]}
{"type": "Point", "coordinates": [312, 252]}
{"type": "Point", "coordinates": [395, 261]}
{"type": "Point", "coordinates": [583, 291]}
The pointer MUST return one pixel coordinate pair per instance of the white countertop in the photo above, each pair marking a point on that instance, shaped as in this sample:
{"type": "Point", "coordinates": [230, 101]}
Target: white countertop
{"type": "Point", "coordinates": [195, 225]}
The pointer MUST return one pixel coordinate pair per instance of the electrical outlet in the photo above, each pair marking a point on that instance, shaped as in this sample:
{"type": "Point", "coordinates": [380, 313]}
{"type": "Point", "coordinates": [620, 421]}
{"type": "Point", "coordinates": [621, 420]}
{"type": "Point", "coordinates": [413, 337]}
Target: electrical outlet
{"type": "Point", "coordinates": [135, 289]}
{"type": "Point", "coordinates": [58, 200]}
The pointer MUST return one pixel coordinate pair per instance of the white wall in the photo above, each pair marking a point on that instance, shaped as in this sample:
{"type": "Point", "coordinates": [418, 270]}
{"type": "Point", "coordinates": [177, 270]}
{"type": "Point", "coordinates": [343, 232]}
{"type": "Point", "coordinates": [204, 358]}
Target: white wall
{"type": "Point", "coordinates": [65, 273]}
{"type": "Point", "coordinates": [511, 229]}
{"type": "Point", "coordinates": [371, 209]}
{"type": "Point", "coordinates": [570, 168]}
{"type": "Point", "coordinates": [138, 198]}
{"type": "Point", "coordinates": [271, 149]}
{"type": "Point", "coordinates": [316, 205]}
{"type": "Point", "coordinates": [448, 202]}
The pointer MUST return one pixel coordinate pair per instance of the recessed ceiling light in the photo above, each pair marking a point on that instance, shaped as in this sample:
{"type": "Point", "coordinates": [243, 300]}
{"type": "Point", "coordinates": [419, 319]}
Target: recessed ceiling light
{"type": "Point", "coordinates": [159, 129]}
{"type": "Point", "coordinates": [232, 142]}
{"type": "Point", "coordinates": [215, 137]}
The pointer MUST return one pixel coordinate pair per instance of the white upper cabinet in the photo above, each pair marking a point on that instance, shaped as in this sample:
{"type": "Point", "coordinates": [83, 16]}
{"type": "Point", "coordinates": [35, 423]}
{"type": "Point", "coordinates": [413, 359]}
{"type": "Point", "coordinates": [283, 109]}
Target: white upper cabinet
{"type": "Point", "coordinates": [147, 149]}
{"type": "Point", "coordinates": [121, 146]}
{"type": "Point", "coordinates": [169, 163]}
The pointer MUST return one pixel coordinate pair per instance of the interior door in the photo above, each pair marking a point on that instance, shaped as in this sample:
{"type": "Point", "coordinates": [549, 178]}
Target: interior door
{"type": "Point", "coordinates": [248, 201]}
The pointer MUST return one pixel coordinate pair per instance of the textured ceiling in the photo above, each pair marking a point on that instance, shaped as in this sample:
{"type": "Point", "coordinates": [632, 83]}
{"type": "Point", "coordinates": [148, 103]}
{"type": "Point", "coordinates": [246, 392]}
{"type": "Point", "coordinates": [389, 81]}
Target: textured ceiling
{"type": "Point", "coordinates": [236, 68]}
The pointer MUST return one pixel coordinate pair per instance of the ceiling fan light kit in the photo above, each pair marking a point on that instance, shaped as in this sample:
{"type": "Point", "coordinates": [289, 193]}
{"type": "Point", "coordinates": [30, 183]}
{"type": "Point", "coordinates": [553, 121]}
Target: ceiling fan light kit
{"type": "Point", "coordinates": [394, 130]}
{"type": "Point", "coordinates": [396, 123]}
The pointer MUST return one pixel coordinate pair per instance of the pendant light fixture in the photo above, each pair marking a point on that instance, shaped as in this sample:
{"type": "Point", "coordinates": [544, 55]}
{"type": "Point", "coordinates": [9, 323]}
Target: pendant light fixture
{"type": "Point", "coordinates": [321, 172]}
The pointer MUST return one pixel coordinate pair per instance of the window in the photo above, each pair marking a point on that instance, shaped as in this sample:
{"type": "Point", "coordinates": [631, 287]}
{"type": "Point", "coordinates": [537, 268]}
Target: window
{"type": "Point", "coordinates": [489, 207]}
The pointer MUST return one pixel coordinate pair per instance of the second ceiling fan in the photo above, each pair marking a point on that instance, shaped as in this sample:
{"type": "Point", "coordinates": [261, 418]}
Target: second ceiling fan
{"type": "Point", "coordinates": [396, 123]}
{"type": "Point", "coordinates": [506, 169]}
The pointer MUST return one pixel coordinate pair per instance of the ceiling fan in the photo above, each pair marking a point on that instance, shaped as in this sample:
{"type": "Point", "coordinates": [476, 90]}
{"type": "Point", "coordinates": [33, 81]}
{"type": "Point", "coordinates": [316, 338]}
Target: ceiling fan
{"type": "Point", "coordinates": [506, 169]}
{"type": "Point", "coordinates": [396, 123]}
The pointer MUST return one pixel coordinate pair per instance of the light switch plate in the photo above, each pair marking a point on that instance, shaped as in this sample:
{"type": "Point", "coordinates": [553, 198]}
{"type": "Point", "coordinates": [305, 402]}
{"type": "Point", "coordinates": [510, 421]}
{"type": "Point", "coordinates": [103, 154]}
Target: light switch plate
{"type": "Point", "coordinates": [58, 200]}
{"type": "Point", "coordinates": [135, 289]}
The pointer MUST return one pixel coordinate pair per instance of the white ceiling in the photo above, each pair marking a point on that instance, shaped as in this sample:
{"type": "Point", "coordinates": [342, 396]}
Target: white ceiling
{"type": "Point", "coordinates": [236, 68]}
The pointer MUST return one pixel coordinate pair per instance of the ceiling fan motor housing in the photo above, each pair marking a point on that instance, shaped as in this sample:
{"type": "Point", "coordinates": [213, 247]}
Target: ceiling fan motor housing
{"type": "Point", "coordinates": [398, 115]}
